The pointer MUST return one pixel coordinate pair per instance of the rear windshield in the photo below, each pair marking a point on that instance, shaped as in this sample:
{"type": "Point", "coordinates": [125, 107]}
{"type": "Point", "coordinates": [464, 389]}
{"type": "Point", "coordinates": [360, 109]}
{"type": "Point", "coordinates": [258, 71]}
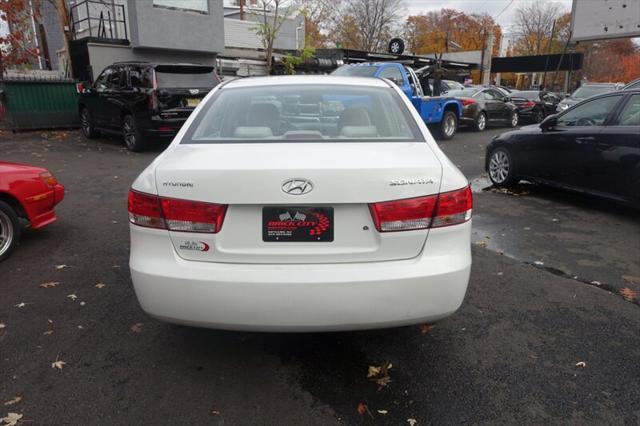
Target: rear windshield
{"type": "Point", "coordinates": [470, 91]}
{"type": "Point", "coordinates": [356, 71]}
{"type": "Point", "coordinates": [588, 91]}
{"type": "Point", "coordinates": [304, 113]}
{"type": "Point", "coordinates": [186, 77]}
{"type": "Point", "coordinates": [533, 96]}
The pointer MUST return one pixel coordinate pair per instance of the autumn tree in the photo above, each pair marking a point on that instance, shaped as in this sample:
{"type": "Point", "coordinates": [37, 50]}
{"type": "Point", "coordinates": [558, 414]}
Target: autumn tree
{"type": "Point", "coordinates": [320, 17]}
{"type": "Point", "coordinates": [271, 15]}
{"type": "Point", "coordinates": [18, 46]}
{"type": "Point", "coordinates": [534, 25]}
{"type": "Point", "coordinates": [367, 24]}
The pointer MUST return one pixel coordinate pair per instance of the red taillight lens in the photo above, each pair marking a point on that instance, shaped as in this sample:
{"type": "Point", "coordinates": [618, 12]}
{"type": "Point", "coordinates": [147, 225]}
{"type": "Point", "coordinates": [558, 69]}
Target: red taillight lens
{"type": "Point", "coordinates": [529, 104]}
{"type": "Point", "coordinates": [453, 208]}
{"type": "Point", "coordinates": [174, 214]}
{"type": "Point", "coordinates": [145, 210]}
{"type": "Point", "coordinates": [154, 105]}
{"type": "Point", "coordinates": [433, 211]}
{"type": "Point", "coordinates": [193, 216]}
{"type": "Point", "coordinates": [467, 101]}
{"type": "Point", "coordinates": [49, 179]}
{"type": "Point", "coordinates": [403, 215]}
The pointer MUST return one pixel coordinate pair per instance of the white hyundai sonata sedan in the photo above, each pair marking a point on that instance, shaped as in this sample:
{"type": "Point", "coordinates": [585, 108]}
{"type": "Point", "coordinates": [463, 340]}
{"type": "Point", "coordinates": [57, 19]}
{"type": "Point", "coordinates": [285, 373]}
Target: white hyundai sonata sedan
{"type": "Point", "coordinates": [301, 203]}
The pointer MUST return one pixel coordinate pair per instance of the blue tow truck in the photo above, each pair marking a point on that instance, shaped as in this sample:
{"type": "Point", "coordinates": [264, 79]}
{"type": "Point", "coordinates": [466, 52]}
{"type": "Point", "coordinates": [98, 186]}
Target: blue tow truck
{"type": "Point", "coordinates": [440, 113]}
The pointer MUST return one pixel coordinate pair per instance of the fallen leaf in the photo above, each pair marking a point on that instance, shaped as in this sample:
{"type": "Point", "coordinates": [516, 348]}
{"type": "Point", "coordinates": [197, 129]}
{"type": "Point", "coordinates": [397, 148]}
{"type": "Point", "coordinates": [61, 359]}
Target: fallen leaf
{"type": "Point", "coordinates": [215, 412]}
{"type": "Point", "coordinates": [538, 263]}
{"type": "Point", "coordinates": [58, 267]}
{"type": "Point", "coordinates": [137, 327]}
{"type": "Point", "coordinates": [628, 294]}
{"type": "Point", "coordinates": [72, 296]}
{"type": "Point", "coordinates": [373, 371]}
{"type": "Point", "coordinates": [82, 303]}
{"type": "Point", "coordinates": [383, 381]}
{"type": "Point", "coordinates": [15, 400]}
{"type": "Point", "coordinates": [100, 285]}
{"type": "Point", "coordinates": [48, 332]}
{"type": "Point", "coordinates": [20, 305]}
{"type": "Point", "coordinates": [426, 328]}
{"type": "Point", "coordinates": [596, 283]}
{"type": "Point", "coordinates": [58, 364]}
{"type": "Point", "coordinates": [2, 325]}
{"type": "Point", "coordinates": [412, 422]}
{"type": "Point", "coordinates": [11, 419]}
{"type": "Point", "coordinates": [49, 284]}
{"type": "Point", "coordinates": [481, 243]}
{"type": "Point", "coordinates": [362, 408]}
{"type": "Point", "coordinates": [81, 327]}
{"type": "Point", "coordinates": [383, 412]}
{"type": "Point", "coordinates": [50, 321]}
{"type": "Point", "coordinates": [581, 364]}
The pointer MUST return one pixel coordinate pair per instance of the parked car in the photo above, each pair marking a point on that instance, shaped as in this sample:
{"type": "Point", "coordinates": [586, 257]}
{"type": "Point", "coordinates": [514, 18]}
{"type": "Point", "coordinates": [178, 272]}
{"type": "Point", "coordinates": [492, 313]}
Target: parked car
{"type": "Point", "coordinates": [635, 84]}
{"type": "Point", "coordinates": [26, 193]}
{"type": "Point", "coordinates": [440, 113]}
{"type": "Point", "coordinates": [260, 216]}
{"type": "Point", "coordinates": [593, 147]}
{"type": "Point", "coordinates": [585, 91]}
{"type": "Point", "coordinates": [534, 105]}
{"type": "Point", "coordinates": [143, 101]}
{"type": "Point", "coordinates": [483, 106]}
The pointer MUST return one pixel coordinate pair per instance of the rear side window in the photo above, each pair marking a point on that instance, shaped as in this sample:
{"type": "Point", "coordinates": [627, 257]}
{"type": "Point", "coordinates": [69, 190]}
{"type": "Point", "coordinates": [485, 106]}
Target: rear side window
{"type": "Point", "coordinates": [591, 113]}
{"type": "Point", "coordinates": [630, 115]}
{"type": "Point", "coordinates": [304, 113]}
{"type": "Point", "coordinates": [185, 77]}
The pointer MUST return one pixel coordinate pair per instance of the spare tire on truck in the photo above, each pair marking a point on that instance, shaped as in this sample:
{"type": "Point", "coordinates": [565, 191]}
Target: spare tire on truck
{"type": "Point", "coordinates": [396, 46]}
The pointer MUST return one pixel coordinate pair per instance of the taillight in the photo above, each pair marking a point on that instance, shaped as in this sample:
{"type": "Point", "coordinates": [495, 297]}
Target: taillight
{"type": "Point", "coordinates": [174, 214]}
{"type": "Point", "coordinates": [433, 211]}
{"type": "Point", "coordinates": [49, 179]}
{"type": "Point", "coordinates": [145, 210]}
{"type": "Point", "coordinates": [529, 104]}
{"type": "Point", "coordinates": [467, 101]}
{"type": "Point", "coordinates": [193, 216]}
{"type": "Point", "coordinates": [154, 105]}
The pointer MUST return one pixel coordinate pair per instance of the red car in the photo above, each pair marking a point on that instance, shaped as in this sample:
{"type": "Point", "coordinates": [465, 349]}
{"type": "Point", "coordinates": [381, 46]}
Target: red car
{"type": "Point", "coordinates": [29, 193]}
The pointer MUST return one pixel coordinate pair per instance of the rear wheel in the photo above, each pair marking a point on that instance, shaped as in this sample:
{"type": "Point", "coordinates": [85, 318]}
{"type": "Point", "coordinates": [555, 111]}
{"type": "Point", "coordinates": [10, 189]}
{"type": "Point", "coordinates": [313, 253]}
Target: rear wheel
{"type": "Point", "coordinates": [501, 168]}
{"type": "Point", "coordinates": [133, 139]}
{"type": "Point", "coordinates": [513, 122]}
{"type": "Point", "coordinates": [448, 125]}
{"type": "Point", "coordinates": [86, 123]}
{"type": "Point", "coordinates": [480, 123]}
{"type": "Point", "coordinates": [9, 230]}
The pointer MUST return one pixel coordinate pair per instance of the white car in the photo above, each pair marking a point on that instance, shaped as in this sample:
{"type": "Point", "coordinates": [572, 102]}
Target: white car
{"type": "Point", "coordinates": [301, 203]}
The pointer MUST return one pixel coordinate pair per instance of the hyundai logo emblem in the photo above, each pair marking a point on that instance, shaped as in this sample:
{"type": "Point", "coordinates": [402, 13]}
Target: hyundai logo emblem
{"type": "Point", "coordinates": [297, 186]}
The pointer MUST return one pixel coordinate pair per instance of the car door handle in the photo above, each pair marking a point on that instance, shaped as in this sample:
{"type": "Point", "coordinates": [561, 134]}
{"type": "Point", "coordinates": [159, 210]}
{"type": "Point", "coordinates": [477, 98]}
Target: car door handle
{"type": "Point", "coordinates": [585, 140]}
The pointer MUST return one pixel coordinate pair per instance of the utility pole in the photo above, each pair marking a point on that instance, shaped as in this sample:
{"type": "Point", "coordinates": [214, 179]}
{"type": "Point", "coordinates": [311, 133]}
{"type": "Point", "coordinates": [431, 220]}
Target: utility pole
{"type": "Point", "coordinates": [63, 17]}
{"type": "Point", "coordinates": [553, 30]}
{"type": "Point", "coordinates": [241, 10]}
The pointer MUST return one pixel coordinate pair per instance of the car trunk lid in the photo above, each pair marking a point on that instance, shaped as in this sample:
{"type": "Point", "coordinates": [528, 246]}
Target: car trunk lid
{"type": "Point", "coordinates": [178, 89]}
{"type": "Point", "coordinates": [346, 177]}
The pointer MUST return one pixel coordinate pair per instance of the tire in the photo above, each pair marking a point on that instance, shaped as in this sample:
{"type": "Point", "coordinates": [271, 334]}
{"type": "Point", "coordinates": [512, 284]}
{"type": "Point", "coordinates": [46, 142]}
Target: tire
{"type": "Point", "coordinates": [9, 230]}
{"type": "Point", "coordinates": [133, 138]}
{"type": "Point", "coordinates": [448, 125]}
{"type": "Point", "coordinates": [481, 122]}
{"type": "Point", "coordinates": [513, 121]}
{"type": "Point", "coordinates": [86, 124]}
{"type": "Point", "coordinates": [396, 46]}
{"type": "Point", "coordinates": [501, 168]}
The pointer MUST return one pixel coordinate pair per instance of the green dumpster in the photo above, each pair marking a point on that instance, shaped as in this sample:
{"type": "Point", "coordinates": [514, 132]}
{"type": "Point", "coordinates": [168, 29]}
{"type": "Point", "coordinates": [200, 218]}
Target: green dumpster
{"type": "Point", "coordinates": [38, 103]}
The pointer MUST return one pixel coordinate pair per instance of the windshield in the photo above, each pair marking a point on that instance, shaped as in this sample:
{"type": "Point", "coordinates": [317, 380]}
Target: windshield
{"type": "Point", "coordinates": [588, 91]}
{"type": "Point", "coordinates": [186, 77]}
{"type": "Point", "coordinates": [530, 95]}
{"type": "Point", "coordinates": [309, 113]}
{"type": "Point", "coordinates": [464, 93]}
{"type": "Point", "coordinates": [356, 71]}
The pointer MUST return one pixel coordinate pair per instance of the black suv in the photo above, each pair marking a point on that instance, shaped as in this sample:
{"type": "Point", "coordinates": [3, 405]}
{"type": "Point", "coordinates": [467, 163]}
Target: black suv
{"type": "Point", "coordinates": [143, 101]}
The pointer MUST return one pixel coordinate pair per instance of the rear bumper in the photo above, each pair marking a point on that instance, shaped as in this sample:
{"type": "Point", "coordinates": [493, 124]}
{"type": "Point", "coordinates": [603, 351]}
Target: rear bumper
{"type": "Point", "coordinates": [161, 128]}
{"type": "Point", "coordinates": [312, 297]}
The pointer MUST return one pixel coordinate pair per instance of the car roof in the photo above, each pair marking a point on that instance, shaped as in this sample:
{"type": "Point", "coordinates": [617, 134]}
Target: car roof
{"type": "Point", "coordinates": [161, 64]}
{"type": "Point", "coordinates": [307, 80]}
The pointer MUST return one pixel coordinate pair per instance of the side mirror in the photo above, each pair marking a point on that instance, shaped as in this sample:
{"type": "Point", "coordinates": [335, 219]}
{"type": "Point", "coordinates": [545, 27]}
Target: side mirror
{"type": "Point", "coordinates": [549, 123]}
{"type": "Point", "coordinates": [507, 99]}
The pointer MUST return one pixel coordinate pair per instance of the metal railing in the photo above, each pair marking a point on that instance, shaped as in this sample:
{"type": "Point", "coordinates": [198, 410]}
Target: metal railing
{"type": "Point", "coordinates": [99, 19]}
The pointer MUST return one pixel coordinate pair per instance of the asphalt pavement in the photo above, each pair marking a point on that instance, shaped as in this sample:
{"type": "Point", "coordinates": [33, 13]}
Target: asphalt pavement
{"type": "Point", "coordinates": [531, 343]}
